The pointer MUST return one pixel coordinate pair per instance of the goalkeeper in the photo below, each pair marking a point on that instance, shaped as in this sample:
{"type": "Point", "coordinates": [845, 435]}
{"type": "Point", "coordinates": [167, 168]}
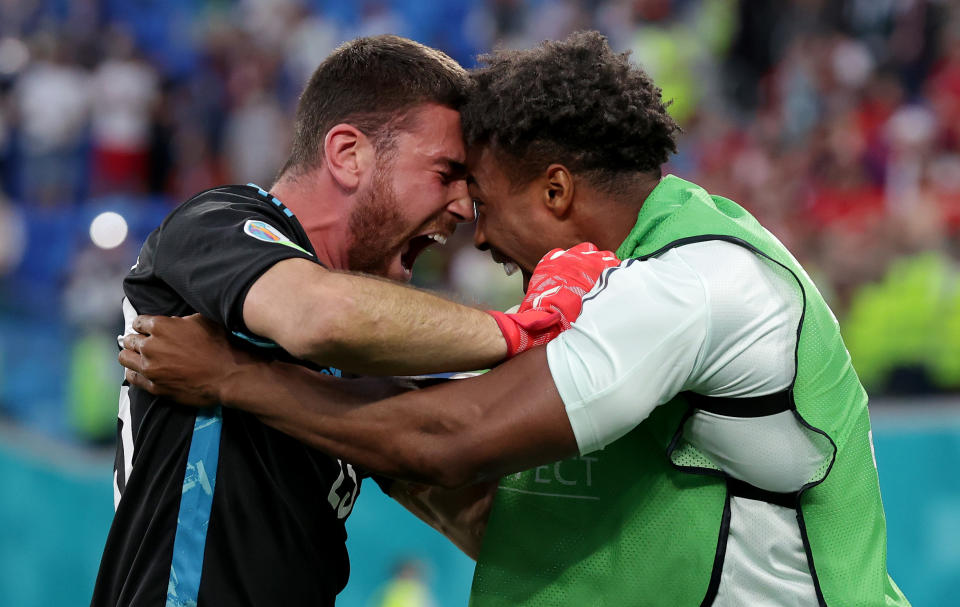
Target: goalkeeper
{"type": "Point", "coordinates": [697, 437]}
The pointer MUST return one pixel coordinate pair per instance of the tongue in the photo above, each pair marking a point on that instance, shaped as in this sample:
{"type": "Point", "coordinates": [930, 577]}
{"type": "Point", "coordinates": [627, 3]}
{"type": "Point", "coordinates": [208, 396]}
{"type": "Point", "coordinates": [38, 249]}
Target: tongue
{"type": "Point", "coordinates": [413, 249]}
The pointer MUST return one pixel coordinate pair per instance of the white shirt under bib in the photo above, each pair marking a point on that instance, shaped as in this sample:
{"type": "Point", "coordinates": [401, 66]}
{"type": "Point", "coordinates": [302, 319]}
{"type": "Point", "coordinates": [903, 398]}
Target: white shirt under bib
{"type": "Point", "coordinates": [716, 319]}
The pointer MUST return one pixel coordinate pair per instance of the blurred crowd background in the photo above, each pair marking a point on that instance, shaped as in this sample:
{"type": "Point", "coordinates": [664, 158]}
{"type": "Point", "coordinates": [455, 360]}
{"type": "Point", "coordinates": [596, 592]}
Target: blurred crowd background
{"type": "Point", "coordinates": [836, 122]}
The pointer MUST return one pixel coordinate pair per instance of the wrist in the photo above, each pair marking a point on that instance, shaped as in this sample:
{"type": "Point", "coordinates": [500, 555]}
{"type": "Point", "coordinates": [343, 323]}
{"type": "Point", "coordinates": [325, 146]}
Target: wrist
{"type": "Point", "coordinates": [527, 329]}
{"type": "Point", "coordinates": [234, 382]}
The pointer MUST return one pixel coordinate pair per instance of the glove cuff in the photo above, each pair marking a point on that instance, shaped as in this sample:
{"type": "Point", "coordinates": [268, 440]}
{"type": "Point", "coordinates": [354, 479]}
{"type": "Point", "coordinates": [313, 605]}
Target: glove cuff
{"type": "Point", "coordinates": [525, 330]}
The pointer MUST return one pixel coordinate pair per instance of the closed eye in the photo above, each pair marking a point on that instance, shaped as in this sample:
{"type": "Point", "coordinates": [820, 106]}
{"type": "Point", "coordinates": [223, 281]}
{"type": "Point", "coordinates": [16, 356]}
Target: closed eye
{"type": "Point", "coordinates": [452, 171]}
{"type": "Point", "coordinates": [477, 207]}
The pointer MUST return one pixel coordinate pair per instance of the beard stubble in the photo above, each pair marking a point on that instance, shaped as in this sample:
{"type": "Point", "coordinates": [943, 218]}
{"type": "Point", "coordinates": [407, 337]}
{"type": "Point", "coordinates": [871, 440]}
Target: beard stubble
{"type": "Point", "coordinates": [376, 227]}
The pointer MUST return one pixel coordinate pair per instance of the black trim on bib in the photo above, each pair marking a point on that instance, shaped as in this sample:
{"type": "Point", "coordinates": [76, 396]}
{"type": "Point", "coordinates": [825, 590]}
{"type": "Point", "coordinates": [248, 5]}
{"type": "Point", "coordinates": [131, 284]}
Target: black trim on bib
{"type": "Point", "coordinates": [739, 488]}
{"type": "Point", "coordinates": [754, 406]}
{"type": "Point", "coordinates": [806, 547]}
{"type": "Point", "coordinates": [791, 407]}
{"type": "Point", "coordinates": [714, 586]}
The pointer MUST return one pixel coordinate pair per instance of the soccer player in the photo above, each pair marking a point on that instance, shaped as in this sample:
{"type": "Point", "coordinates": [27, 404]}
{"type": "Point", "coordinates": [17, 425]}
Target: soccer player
{"type": "Point", "coordinates": [215, 508]}
{"type": "Point", "coordinates": [697, 437]}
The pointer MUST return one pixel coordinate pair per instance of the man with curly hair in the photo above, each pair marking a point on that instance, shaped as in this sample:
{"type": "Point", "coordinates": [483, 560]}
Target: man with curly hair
{"type": "Point", "coordinates": [697, 437]}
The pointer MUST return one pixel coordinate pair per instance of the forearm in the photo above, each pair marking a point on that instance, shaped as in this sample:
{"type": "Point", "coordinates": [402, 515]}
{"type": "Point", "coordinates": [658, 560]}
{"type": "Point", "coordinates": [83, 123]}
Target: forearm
{"type": "Point", "coordinates": [341, 417]}
{"type": "Point", "coordinates": [367, 325]}
{"type": "Point", "coordinates": [379, 327]}
{"type": "Point", "coordinates": [452, 435]}
{"type": "Point", "coordinates": [459, 514]}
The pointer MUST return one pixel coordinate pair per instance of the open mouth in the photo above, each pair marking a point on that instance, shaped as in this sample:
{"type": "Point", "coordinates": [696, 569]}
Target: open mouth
{"type": "Point", "coordinates": [417, 245]}
{"type": "Point", "coordinates": [510, 267]}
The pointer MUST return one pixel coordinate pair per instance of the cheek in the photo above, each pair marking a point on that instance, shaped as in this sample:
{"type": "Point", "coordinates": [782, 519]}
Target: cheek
{"type": "Point", "coordinates": [517, 236]}
{"type": "Point", "coordinates": [531, 241]}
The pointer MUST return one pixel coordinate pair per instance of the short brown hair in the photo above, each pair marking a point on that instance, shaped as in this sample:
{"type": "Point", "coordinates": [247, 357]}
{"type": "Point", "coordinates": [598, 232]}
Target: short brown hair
{"type": "Point", "coordinates": [371, 83]}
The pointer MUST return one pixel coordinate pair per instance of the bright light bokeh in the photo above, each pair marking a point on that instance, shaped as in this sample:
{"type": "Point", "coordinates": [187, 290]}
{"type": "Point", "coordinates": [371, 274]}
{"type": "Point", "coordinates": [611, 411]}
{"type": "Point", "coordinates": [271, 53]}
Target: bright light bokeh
{"type": "Point", "coordinates": [108, 230]}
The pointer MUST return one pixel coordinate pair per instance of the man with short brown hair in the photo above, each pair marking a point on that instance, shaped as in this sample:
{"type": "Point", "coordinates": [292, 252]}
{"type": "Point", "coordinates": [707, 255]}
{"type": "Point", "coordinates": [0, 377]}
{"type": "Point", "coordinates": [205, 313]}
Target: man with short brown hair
{"type": "Point", "coordinates": [215, 508]}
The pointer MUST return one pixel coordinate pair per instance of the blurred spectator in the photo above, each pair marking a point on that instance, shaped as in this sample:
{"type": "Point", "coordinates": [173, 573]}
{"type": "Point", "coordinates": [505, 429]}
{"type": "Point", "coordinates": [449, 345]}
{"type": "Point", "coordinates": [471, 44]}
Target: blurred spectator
{"type": "Point", "coordinates": [256, 138]}
{"type": "Point", "coordinates": [12, 236]}
{"type": "Point", "coordinates": [377, 17]}
{"type": "Point", "coordinates": [92, 380]}
{"type": "Point", "coordinates": [195, 166]}
{"type": "Point", "coordinates": [894, 327]}
{"type": "Point", "coordinates": [52, 104]}
{"type": "Point", "coordinates": [91, 309]}
{"type": "Point", "coordinates": [93, 290]}
{"type": "Point", "coordinates": [124, 97]}
{"type": "Point", "coordinates": [310, 38]}
{"type": "Point", "coordinates": [407, 587]}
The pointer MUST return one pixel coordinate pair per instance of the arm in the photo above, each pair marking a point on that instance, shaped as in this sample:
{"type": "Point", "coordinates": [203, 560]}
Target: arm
{"type": "Point", "coordinates": [459, 514]}
{"type": "Point", "coordinates": [367, 325]}
{"type": "Point", "coordinates": [275, 289]}
{"type": "Point", "coordinates": [452, 434]}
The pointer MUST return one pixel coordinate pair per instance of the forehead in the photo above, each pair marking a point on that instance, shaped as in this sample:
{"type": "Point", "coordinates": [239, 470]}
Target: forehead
{"type": "Point", "coordinates": [486, 172]}
{"type": "Point", "coordinates": [433, 134]}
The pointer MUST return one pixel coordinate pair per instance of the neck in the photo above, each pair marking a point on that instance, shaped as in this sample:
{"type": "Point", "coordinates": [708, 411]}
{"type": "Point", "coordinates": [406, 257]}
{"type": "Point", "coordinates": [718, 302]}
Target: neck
{"type": "Point", "coordinates": [610, 217]}
{"type": "Point", "coordinates": [323, 211]}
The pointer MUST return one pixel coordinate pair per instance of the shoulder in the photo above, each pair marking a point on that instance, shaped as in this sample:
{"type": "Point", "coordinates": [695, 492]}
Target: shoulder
{"type": "Point", "coordinates": [236, 209]}
{"type": "Point", "coordinates": [711, 257]}
{"type": "Point", "coordinates": [734, 275]}
{"type": "Point", "coordinates": [639, 283]}
{"type": "Point", "coordinates": [704, 279]}
{"type": "Point", "coordinates": [224, 200]}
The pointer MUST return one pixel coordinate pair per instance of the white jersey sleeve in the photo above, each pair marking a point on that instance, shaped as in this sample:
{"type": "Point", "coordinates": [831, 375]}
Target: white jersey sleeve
{"type": "Point", "coordinates": [710, 317]}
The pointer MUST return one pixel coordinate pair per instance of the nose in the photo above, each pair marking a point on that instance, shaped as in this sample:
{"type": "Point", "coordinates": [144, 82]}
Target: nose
{"type": "Point", "coordinates": [460, 204]}
{"type": "Point", "coordinates": [479, 235]}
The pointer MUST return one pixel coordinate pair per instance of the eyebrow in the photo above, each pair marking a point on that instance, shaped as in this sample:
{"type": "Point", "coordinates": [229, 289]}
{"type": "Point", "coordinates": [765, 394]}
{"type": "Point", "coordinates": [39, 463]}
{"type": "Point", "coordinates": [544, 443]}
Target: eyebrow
{"type": "Point", "coordinates": [457, 168]}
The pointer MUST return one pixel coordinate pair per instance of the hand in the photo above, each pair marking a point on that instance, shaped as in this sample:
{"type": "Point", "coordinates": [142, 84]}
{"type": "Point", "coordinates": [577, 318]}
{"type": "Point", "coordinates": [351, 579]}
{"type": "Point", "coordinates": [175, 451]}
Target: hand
{"type": "Point", "coordinates": [187, 359]}
{"type": "Point", "coordinates": [460, 514]}
{"type": "Point", "coordinates": [554, 296]}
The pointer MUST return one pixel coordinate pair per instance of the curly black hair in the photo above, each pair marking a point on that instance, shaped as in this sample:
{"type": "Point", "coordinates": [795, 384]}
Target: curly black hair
{"type": "Point", "coordinates": [573, 101]}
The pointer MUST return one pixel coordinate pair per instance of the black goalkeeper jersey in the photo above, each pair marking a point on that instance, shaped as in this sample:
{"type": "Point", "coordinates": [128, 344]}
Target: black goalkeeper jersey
{"type": "Point", "coordinates": [212, 506]}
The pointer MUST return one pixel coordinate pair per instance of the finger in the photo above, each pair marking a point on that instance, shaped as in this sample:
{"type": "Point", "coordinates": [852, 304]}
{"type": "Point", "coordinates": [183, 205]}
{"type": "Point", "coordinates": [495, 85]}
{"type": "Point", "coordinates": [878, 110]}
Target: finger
{"type": "Point", "coordinates": [583, 247]}
{"type": "Point", "coordinates": [144, 324]}
{"type": "Point", "coordinates": [551, 254]}
{"type": "Point", "coordinates": [134, 341]}
{"type": "Point", "coordinates": [131, 360]}
{"type": "Point", "coordinates": [135, 379]}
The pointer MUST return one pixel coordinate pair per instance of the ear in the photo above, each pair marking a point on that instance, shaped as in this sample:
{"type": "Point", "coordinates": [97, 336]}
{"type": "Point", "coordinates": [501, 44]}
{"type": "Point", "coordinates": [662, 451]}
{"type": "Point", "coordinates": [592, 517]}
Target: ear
{"type": "Point", "coordinates": [558, 190]}
{"type": "Point", "coordinates": [348, 155]}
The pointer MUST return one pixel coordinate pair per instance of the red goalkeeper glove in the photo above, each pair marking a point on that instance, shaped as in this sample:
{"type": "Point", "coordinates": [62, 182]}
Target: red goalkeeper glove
{"type": "Point", "coordinates": [554, 296]}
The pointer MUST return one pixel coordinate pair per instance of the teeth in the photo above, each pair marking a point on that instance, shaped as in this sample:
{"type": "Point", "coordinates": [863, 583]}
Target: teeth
{"type": "Point", "coordinates": [439, 238]}
{"type": "Point", "coordinates": [510, 268]}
